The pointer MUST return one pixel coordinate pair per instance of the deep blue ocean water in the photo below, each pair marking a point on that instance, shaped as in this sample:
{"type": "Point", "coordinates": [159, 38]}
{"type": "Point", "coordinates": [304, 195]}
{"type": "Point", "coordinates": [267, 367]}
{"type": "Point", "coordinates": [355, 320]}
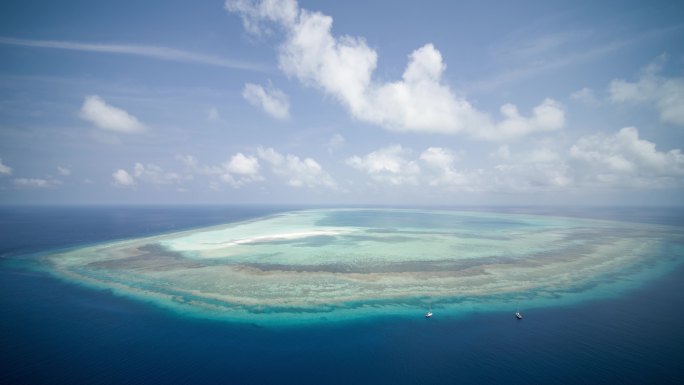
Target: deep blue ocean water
{"type": "Point", "coordinates": [53, 332]}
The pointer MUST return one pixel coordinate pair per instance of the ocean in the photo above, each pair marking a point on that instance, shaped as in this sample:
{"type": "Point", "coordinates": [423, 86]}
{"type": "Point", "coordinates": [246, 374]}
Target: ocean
{"type": "Point", "coordinates": [53, 331]}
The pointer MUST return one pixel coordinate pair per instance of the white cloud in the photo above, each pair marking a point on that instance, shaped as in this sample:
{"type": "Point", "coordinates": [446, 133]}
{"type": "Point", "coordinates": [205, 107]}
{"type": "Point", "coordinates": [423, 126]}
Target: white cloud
{"type": "Point", "coordinates": [36, 182]}
{"type": "Point", "coordinates": [241, 170]}
{"type": "Point", "coordinates": [151, 173]}
{"type": "Point", "coordinates": [585, 96]}
{"type": "Point", "coordinates": [434, 167]}
{"type": "Point", "coordinates": [156, 52]}
{"type": "Point", "coordinates": [63, 171]}
{"type": "Point", "coordinates": [439, 157]}
{"type": "Point", "coordinates": [254, 12]}
{"type": "Point", "coordinates": [441, 170]}
{"type": "Point", "coordinates": [272, 100]}
{"type": "Point", "coordinates": [123, 178]}
{"type": "Point", "coordinates": [270, 155]}
{"type": "Point", "coordinates": [420, 102]}
{"type": "Point", "coordinates": [297, 171]}
{"type": "Point", "coordinates": [548, 116]}
{"type": "Point", "coordinates": [243, 165]}
{"type": "Point", "coordinates": [237, 172]}
{"type": "Point", "coordinates": [5, 169]}
{"type": "Point", "coordinates": [623, 159]}
{"type": "Point", "coordinates": [343, 67]}
{"type": "Point", "coordinates": [193, 166]}
{"type": "Point", "coordinates": [389, 164]}
{"type": "Point", "coordinates": [617, 161]}
{"type": "Point", "coordinates": [536, 170]}
{"type": "Point", "coordinates": [667, 94]}
{"type": "Point", "coordinates": [108, 117]}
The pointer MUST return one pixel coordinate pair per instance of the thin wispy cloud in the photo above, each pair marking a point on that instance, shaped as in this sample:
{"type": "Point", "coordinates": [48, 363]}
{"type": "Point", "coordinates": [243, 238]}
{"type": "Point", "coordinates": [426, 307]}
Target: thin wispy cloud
{"type": "Point", "coordinates": [558, 60]}
{"type": "Point", "coordinates": [156, 52]}
{"type": "Point", "coordinates": [36, 183]}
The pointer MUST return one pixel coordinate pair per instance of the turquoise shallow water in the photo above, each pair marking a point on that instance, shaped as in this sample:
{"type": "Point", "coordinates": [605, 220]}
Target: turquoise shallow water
{"type": "Point", "coordinates": [336, 264]}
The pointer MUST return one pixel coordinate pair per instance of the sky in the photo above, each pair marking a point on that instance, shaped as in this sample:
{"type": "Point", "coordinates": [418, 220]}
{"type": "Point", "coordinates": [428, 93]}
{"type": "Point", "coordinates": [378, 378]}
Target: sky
{"type": "Point", "coordinates": [355, 102]}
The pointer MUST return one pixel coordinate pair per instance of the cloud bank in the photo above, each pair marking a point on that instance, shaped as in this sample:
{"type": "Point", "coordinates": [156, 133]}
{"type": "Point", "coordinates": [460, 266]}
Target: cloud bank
{"type": "Point", "coordinates": [625, 160]}
{"type": "Point", "coordinates": [601, 161]}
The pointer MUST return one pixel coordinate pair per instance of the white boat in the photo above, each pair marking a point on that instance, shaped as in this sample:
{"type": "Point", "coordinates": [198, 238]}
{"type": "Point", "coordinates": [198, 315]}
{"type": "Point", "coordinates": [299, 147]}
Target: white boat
{"type": "Point", "coordinates": [517, 313]}
{"type": "Point", "coordinates": [429, 313]}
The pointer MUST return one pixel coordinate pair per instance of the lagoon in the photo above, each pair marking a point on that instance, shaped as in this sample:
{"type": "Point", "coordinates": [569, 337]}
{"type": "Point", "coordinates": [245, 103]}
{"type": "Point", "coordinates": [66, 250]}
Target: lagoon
{"type": "Point", "coordinates": [324, 265]}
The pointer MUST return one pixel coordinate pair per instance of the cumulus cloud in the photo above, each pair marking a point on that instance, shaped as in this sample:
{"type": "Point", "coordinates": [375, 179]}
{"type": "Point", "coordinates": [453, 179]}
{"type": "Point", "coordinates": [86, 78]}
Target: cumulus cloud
{"type": "Point", "coordinates": [5, 169]}
{"type": "Point", "coordinates": [389, 164]}
{"type": "Point", "coordinates": [606, 161]}
{"type": "Point", "coordinates": [547, 116]}
{"type": "Point", "coordinates": [63, 171]}
{"type": "Point", "coordinates": [153, 174]}
{"type": "Point", "coordinates": [667, 94]}
{"type": "Point", "coordinates": [343, 66]}
{"type": "Point", "coordinates": [108, 117]}
{"type": "Point", "coordinates": [623, 159]}
{"type": "Point", "coordinates": [435, 167]}
{"type": "Point", "coordinates": [238, 171]}
{"type": "Point", "coordinates": [192, 165]}
{"type": "Point", "coordinates": [544, 168]}
{"type": "Point", "coordinates": [243, 165]}
{"type": "Point", "coordinates": [298, 172]}
{"type": "Point", "coordinates": [241, 170]}
{"type": "Point", "coordinates": [441, 170]}
{"type": "Point", "coordinates": [439, 157]}
{"type": "Point", "coordinates": [615, 161]}
{"type": "Point", "coordinates": [122, 178]}
{"type": "Point", "coordinates": [254, 12]}
{"type": "Point", "coordinates": [36, 182]}
{"type": "Point", "coordinates": [272, 100]}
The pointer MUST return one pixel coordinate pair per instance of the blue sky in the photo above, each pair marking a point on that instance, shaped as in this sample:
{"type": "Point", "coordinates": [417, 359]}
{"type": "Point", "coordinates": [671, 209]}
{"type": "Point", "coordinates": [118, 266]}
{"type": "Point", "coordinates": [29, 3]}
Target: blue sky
{"type": "Point", "coordinates": [432, 102]}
